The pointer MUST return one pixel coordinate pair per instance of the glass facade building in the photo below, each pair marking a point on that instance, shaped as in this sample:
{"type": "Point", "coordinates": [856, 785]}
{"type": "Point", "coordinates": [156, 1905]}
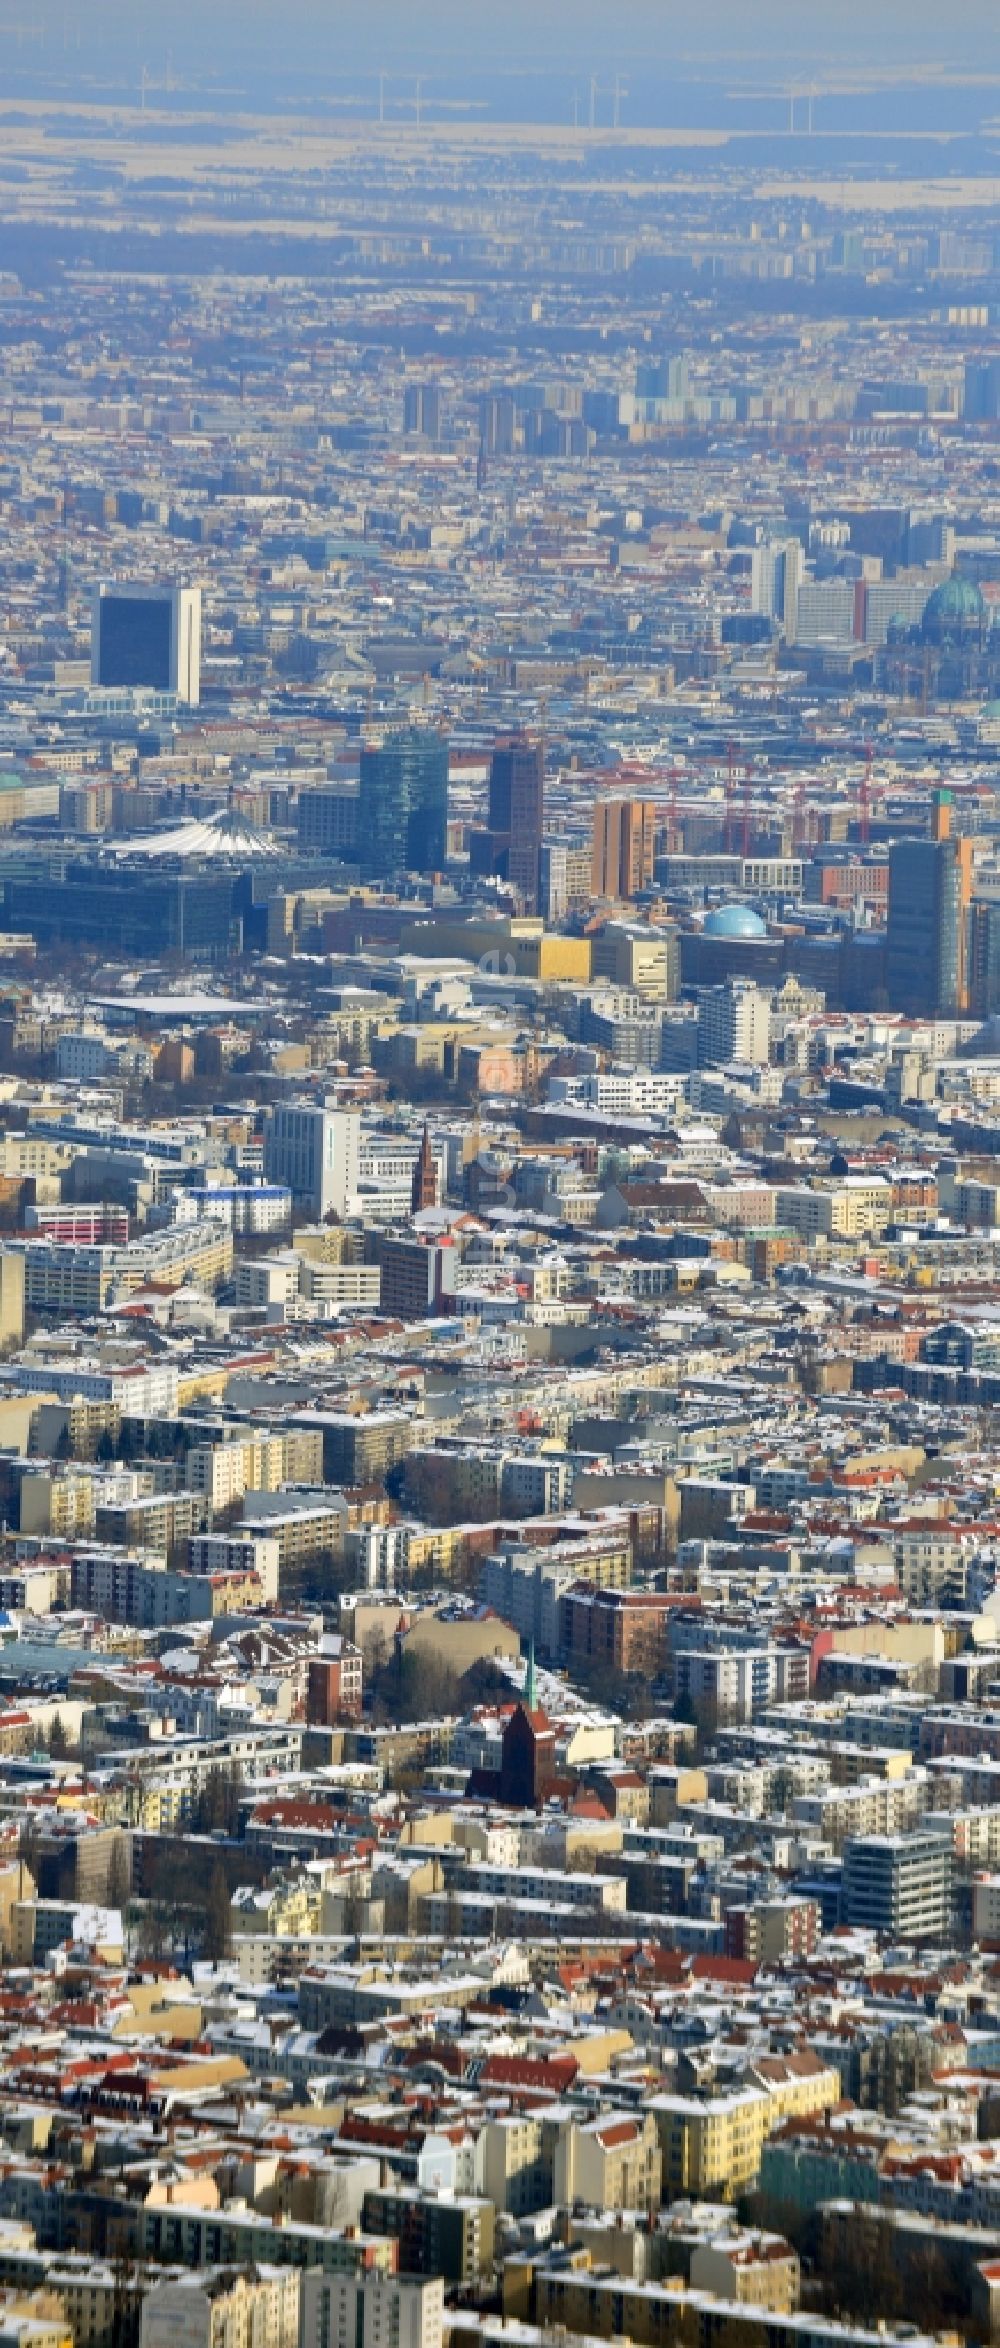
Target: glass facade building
{"type": "Point", "coordinates": [926, 937]}
{"type": "Point", "coordinates": [126, 912]}
{"type": "Point", "coordinates": [135, 641]}
{"type": "Point", "coordinates": [517, 813]}
{"type": "Point", "coordinates": [146, 640]}
{"type": "Point", "coordinates": [403, 805]}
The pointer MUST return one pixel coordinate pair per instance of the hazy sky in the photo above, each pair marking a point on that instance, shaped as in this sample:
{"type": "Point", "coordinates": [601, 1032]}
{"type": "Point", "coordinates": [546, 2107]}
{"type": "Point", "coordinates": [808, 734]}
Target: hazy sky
{"type": "Point", "coordinates": [449, 35]}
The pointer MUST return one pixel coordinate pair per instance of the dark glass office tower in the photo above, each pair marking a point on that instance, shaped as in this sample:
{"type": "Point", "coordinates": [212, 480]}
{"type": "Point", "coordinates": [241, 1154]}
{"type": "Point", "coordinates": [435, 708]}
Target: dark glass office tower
{"type": "Point", "coordinates": [927, 940]}
{"type": "Point", "coordinates": [403, 805]}
{"type": "Point", "coordinates": [517, 812]}
{"type": "Point", "coordinates": [147, 639]}
{"type": "Point", "coordinates": [135, 640]}
{"type": "Point", "coordinates": [984, 957]}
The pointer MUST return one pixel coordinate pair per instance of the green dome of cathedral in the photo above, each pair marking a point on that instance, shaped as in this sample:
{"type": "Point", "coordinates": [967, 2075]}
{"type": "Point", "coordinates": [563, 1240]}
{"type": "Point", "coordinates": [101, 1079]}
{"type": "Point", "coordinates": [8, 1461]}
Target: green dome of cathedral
{"type": "Point", "coordinates": [955, 608]}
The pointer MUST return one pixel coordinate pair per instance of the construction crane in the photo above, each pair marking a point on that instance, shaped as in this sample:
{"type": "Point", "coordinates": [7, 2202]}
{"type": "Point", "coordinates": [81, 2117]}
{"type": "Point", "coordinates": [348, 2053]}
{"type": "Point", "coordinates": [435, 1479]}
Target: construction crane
{"type": "Point", "coordinates": [673, 778]}
{"type": "Point", "coordinates": [800, 816]}
{"type": "Point", "coordinates": [729, 834]}
{"type": "Point", "coordinates": [865, 798]}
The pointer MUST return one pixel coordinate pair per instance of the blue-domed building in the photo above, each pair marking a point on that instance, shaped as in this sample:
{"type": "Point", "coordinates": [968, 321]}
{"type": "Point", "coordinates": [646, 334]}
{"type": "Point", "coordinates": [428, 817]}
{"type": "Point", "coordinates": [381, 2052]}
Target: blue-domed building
{"type": "Point", "coordinates": [731, 942]}
{"type": "Point", "coordinates": [734, 921]}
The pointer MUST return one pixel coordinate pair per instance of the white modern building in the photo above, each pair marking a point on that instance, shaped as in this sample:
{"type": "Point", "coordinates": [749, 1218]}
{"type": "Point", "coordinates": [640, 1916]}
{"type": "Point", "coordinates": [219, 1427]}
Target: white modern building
{"type": "Point", "coordinates": [142, 1390]}
{"type": "Point", "coordinates": [377, 1555]}
{"type": "Point", "coordinates": [249, 1208]}
{"type": "Point", "coordinates": [316, 1151]}
{"type": "Point", "coordinates": [777, 570]}
{"type": "Point", "coordinates": [734, 1024]}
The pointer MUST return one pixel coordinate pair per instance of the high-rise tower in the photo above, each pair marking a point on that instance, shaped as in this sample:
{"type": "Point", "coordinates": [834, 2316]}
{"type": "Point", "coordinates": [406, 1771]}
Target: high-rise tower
{"type": "Point", "coordinates": [147, 639]}
{"type": "Point", "coordinates": [623, 845]}
{"type": "Point", "coordinates": [403, 805]}
{"type": "Point", "coordinates": [927, 934]}
{"type": "Point", "coordinates": [517, 812]}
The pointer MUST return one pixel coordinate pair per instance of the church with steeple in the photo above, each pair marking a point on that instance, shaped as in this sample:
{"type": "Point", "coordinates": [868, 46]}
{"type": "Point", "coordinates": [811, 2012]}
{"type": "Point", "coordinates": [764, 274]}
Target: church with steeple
{"type": "Point", "coordinates": [527, 1772]}
{"type": "Point", "coordinates": [424, 1187]}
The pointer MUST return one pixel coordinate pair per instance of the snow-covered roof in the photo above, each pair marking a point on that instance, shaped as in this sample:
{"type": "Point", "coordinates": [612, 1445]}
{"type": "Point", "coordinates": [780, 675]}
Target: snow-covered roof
{"type": "Point", "coordinates": [227, 834]}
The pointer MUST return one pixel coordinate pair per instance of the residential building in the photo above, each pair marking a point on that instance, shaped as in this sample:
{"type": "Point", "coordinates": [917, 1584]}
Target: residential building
{"type": "Point", "coordinates": [371, 2311]}
{"type": "Point", "coordinates": [220, 2308]}
{"type": "Point", "coordinates": [899, 1885]}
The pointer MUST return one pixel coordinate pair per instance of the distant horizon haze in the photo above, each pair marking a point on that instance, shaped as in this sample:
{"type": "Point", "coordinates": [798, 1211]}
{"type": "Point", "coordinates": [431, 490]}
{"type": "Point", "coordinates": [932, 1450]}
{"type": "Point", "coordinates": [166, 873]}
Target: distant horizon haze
{"type": "Point", "coordinates": [762, 42]}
